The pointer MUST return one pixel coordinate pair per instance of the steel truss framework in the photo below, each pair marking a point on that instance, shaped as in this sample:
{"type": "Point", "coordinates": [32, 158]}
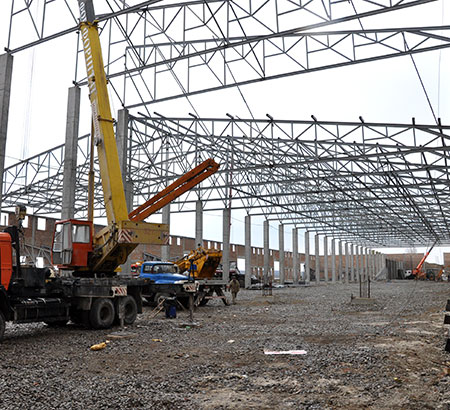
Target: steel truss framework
{"type": "Point", "coordinates": [380, 183]}
{"type": "Point", "coordinates": [383, 184]}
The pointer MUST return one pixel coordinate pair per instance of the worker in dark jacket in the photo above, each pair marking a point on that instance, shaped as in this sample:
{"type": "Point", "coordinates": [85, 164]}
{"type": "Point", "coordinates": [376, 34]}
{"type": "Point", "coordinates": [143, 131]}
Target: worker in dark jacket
{"type": "Point", "coordinates": [234, 287]}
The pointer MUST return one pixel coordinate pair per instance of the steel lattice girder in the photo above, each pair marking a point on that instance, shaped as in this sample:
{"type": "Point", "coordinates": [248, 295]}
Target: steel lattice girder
{"type": "Point", "coordinates": [202, 66]}
{"type": "Point", "coordinates": [319, 175]}
{"type": "Point", "coordinates": [174, 51]}
{"type": "Point", "coordinates": [380, 183]}
{"type": "Point", "coordinates": [42, 22]}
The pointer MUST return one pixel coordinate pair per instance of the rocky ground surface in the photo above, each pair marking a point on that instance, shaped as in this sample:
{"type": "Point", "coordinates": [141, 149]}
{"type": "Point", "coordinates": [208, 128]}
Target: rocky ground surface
{"type": "Point", "coordinates": [386, 356]}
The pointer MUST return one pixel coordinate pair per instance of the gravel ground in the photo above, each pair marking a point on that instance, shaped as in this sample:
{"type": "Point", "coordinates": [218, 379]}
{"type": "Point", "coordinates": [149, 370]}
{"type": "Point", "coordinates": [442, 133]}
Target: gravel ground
{"type": "Point", "coordinates": [386, 356]}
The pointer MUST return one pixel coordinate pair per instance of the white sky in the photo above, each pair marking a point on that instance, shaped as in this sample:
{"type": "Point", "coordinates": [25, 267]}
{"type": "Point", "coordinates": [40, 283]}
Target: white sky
{"type": "Point", "coordinates": [383, 91]}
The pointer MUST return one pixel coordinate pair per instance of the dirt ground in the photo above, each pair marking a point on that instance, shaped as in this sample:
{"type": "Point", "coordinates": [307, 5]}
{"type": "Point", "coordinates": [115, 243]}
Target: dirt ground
{"type": "Point", "coordinates": [386, 356]}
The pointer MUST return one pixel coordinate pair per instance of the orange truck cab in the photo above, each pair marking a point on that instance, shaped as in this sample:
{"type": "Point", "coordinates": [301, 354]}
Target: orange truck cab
{"type": "Point", "coordinates": [6, 262]}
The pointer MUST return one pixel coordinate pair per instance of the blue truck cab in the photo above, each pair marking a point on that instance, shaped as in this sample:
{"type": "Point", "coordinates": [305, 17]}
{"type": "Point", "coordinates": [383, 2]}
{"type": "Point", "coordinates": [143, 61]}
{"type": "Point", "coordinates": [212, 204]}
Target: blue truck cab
{"type": "Point", "coordinates": [162, 273]}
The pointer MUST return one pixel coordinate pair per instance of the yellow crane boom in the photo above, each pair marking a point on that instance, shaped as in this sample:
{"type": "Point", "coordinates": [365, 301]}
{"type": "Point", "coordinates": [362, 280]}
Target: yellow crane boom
{"type": "Point", "coordinates": [75, 246]}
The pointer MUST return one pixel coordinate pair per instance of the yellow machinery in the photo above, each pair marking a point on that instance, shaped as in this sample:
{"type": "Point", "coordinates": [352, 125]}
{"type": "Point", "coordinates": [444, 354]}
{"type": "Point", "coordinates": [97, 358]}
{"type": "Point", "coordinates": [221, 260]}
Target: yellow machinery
{"type": "Point", "coordinates": [201, 262]}
{"type": "Point", "coordinates": [75, 246]}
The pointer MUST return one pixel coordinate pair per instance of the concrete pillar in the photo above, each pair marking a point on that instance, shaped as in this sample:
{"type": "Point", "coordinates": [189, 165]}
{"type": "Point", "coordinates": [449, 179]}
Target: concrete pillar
{"type": "Point", "coordinates": [226, 243]}
{"type": "Point", "coordinates": [333, 260]}
{"type": "Point", "coordinates": [358, 269]}
{"type": "Point", "coordinates": [34, 223]}
{"type": "Point", "coordinates": [373, 264]}
{"type": "Point", "coordinates": [6, 67]}
{"type": "Point", "coordinates": [122, 150]}
{"type": "Point", "coordinates": [248, 251]}
{"type": "Point", "coordinates": [347, 263]}
{"type": "Point", "coordinates": [366, 264]}
{"type": "Point", "coordinates": [281, 253]}
{"type": "Point", "coordinates": [165, 249]}
{"type": "Point", "coordinates": [352, 263]}
{"type": "Point", "coordinates": [325, 258]}
{"type": "Point", "coordinates": [198, 223]}
{"type": "Point", "coordinates": [266, 251]}
{"type": "Point", "coordinates": [307, 260]}
{"type": "Point", "coordinates": [70, 153]}
{"type": "Point", "coordinates": [316, 250]}
{"type": "Point", "coordinates": [295, 261]}
{"type": "Point", "coordinates": [339, 271]}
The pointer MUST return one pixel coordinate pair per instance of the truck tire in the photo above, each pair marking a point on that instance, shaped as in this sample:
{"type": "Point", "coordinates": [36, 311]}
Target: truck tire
{"type": "Point", "coordinates": [2, 326]}
{"type": "Point", "coordinates": [130, 310]}
{"type": "Point", "coordinates": [102, 313]}
{"type": "Point", "coordinates": [205, 298]}
{"type": "Point", "coordinates": [204, 301]}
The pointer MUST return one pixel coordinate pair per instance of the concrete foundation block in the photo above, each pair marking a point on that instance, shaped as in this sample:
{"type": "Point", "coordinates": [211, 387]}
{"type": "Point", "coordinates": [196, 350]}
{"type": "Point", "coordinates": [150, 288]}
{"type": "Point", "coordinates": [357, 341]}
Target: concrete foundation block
{"type": "Point", "coordinates": [363, 301]}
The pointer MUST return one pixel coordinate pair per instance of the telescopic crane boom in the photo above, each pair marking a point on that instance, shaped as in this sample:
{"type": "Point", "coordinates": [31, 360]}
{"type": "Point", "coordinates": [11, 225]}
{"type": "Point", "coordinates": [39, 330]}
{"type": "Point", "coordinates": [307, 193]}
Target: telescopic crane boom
{"type": "Point", "coordinates": [418, 272]}
{"type": "Point", "coordinates": [75, 246]}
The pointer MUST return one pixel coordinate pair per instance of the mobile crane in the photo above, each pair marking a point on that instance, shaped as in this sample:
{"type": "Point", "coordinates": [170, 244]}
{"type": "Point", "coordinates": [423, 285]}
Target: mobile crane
{"type": "Point", "coordinates": [76, 249]}
{"type": "Point", "coordinates": [88, 290]}
{"type": "Point", "coordinates": [418, 273]}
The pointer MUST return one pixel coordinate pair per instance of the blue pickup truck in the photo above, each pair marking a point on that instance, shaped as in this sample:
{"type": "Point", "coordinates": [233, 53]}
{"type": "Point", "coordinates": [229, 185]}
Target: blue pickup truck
{"type": "Point", "coordinates": [162, 272]}
{"type": "Point", "coordinates": [165, 282]}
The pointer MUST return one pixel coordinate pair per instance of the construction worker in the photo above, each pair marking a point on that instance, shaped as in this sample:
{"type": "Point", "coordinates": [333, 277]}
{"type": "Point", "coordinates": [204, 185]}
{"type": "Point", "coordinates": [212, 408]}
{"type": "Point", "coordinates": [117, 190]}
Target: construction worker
{"type": "Point", "coordinates": [234, 287]}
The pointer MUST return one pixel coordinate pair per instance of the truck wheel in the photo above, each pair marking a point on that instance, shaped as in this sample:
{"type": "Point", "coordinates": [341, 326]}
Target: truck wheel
{"type": "Point", "coordinates": [204, 302]}
{"type": "Point", "coordinates": [2, 326]}
{"type": "Point", "coordinates": [102, 313]}
{"type": "Point", "coordinates": [205, 298]}
{"type": "Point", "coordinates": [129, 308]}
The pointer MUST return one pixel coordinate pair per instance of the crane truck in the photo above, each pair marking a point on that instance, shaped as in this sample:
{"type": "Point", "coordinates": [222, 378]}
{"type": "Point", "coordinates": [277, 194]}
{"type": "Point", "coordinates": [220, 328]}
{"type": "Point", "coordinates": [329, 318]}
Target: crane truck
{"type": "Point", "coordinates": [418, 272]}
{"type": "Point", "coordinates": [87, 289]}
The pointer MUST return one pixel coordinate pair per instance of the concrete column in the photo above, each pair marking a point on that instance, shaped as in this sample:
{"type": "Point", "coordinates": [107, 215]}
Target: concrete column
{"type": "Point", "coordinates": [248, 251]}
{"type": "Point", "coordinates": [165, 249]}
{"type": "Point", "coordinates": [226, 243]}
{"type": "Point", "coordinates": [122, 150]}
{"type": "Point", "coordinates": [198, 223]}
{"type": "Point", "coordinates": [70, 153]}
{"type": "Point", "coordinates": [266, 251]}
{"type": "Point", "coordinates": [358, 271]}
{"type": "Point", "coordinates": [281, 253]}
{"type": "Point", "coordinates": [352, 263]}
{"type": "Point", "coordinates": [347, 263]}
{"type": "Point", "coordinates": [34, 222]}
{"type": "Point", "coordinates": [325, 258]}
{"type": "Point", "coordinates": [340, 265]}
{"type": "Point", "coordinates": [307, 260]}
{"type": "Point", "coordinates": [6, 67]}
{"type": "Point", "coordinates": [295, 261]}
{"type": "Point", "coordinates": [316, 250]}
{"type": "Point", "coordinates": [366, 264]}
{"type": "Point", "coordinates": [374, 264]}
{"type": "Point", "coordinates": [333, 260]}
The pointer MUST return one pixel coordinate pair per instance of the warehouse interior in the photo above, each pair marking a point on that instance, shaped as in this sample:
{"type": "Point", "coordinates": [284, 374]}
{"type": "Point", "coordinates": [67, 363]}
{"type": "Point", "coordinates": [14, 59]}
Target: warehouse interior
{"type": "Point", "coordinates": [327, 122]}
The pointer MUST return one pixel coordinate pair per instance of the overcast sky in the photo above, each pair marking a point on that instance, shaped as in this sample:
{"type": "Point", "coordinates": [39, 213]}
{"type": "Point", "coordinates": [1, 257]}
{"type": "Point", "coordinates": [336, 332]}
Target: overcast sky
{"type": "Point", "coordinates": [384, 91]}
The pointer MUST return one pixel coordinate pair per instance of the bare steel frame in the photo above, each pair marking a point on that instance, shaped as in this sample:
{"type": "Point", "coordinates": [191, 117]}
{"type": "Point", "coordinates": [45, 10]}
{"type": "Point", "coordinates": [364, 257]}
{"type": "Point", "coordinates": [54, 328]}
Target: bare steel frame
{"type": "Point", "coordinates": [378, 184]}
